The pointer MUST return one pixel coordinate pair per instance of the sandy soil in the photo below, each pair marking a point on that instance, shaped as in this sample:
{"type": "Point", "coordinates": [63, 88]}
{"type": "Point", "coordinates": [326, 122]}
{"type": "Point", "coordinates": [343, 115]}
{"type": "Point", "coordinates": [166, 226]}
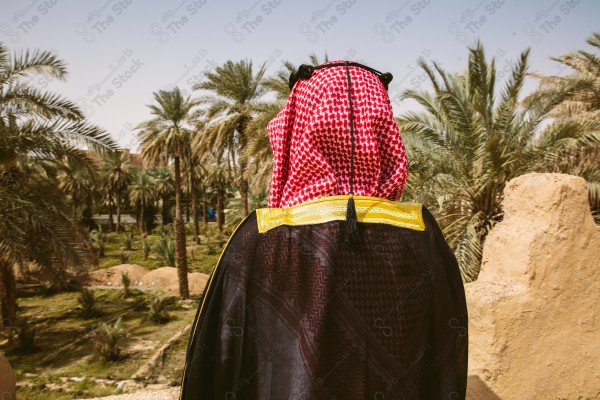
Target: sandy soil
{"type": "Point", "coordinates": [168, 394]}
{"type": "Point", "coordinates": [164, 278]}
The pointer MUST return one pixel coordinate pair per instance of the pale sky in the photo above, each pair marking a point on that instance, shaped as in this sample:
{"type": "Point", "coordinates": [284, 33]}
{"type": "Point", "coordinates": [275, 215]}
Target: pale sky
{"type": "Point", "coordinates": [120, 51]}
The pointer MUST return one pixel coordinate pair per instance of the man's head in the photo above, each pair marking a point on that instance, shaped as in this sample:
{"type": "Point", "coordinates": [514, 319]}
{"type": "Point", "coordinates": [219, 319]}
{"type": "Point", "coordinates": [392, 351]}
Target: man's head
{"type": "Point", "coordinates": [314, 154]}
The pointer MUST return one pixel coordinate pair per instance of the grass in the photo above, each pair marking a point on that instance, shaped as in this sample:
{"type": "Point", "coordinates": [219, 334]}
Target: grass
{"type": "Point", "coordinates": [52, 373]}
{"type": "Point", "coordinates": [199, 260]}
{"type": "Point", "coordinates": [66, 363]}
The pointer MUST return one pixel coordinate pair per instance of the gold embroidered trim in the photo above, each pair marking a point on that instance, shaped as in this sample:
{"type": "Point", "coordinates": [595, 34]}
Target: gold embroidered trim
{"type": "Point", "coordinates": [332, 208]}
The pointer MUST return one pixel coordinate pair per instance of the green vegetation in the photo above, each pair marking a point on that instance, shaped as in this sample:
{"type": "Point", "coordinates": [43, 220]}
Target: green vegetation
{"type": "Point", "coordinates": [207, 159]}
{"type": "Point", "coordinates": [471, 139]}
{"type": "Point", "coordinates": [201, 258]}
{"type": "Point", "coordinates": [116, 175]}
{"type": "Point", "coordinates": [159, 307]}
{"type": "Point", "coordinates": [87, 303]}
{"type": "Point", "coordinates": [110, 340]}
{"type": "Point", "coordinates": [40, 135]}
{"type": "Point", "coordinates": [126, 282]}
{"type": "Point", "coordinates": [163, 138]}
{"type": "Point", "coordinates": [67, 362]}
{"type": "Point", "coordinates": [26, 337]}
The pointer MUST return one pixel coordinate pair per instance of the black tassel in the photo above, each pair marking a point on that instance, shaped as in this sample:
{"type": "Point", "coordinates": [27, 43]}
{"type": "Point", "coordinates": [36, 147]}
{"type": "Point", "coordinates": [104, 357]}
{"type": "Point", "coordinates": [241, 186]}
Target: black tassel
{"type": "Point", "coordinates": [351, 223]}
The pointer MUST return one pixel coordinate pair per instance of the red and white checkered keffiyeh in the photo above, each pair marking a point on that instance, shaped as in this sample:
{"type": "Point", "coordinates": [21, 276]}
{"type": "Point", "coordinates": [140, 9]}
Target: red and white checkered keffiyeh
{"type": "Point", "coordinates": [311, 140]}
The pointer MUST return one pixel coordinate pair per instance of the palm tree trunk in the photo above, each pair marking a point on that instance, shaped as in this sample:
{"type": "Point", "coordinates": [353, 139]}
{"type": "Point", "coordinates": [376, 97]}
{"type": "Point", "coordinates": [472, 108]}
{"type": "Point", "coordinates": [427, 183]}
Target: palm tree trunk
{"type": "Point", "coordinates": [195, 216]}
{"type": "Point", "coordinates": [204, 207]}
{"type": "Point", "coordinates": [220, 213]}
{"type": "Point", "coordinates": [8, 298]}
{"type": "Point", "coordinates": [118, 211]}
{"type": "Point", "coordinates": [142, 220]}
{"type": "Point", "coordinates": [243, 167]}
{"type": "Point", "coordinates": [194, 206]}
{"type": "Point", "coordinates": [110, 213]}
{"type": "Point", "coordinates": [180, 248]}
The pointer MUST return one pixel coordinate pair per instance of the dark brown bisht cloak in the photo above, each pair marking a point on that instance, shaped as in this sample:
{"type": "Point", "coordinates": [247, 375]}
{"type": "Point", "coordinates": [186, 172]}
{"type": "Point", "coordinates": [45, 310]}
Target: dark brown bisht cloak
{"type": "Point", "coordinates": [291, 312]}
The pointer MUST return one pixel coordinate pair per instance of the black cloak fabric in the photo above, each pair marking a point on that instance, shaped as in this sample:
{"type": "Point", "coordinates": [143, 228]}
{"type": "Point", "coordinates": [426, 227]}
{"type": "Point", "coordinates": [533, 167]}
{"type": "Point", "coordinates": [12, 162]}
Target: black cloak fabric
{"type": "Point", "coordinates": [295, 314]}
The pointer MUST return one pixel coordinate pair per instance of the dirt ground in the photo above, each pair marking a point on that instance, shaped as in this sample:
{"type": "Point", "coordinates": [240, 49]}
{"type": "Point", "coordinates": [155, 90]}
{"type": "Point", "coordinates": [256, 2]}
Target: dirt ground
{"type": "Point", "coordinates": [164, 278]}
{"type": "Point", "coordinates": [168, 394]}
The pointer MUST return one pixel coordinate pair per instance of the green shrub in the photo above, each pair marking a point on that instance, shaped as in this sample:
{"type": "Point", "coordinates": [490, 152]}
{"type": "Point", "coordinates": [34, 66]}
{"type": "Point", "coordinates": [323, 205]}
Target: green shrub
{"type": "Point", "coordinates": [189, 228]}
{"type": "Point", "coordinates": [163, 230]}
{"type": "Point", "coordinates": [128, 241]}
{"type": "Point", "coordinates": [109, 340]}
{"type": "Point", "coordinates": [26, 338]}
{"type": "Point", "coordinates": [99, 238]}
{"type": "Point", "coordinates": [165, 250]}
{"type": "Point", "coordinates": [126, 284]}
{"type": "Point", "coordinates": [87, 301]}
{"type": "Point", "coordinates": [146, 247]}
{"type": "Point", "coordinates": [159, 307]}
{"type": "Point", "coordinates": [140, 303]}
{"type": "Point", "coordinates": [83, 386]}
{"type": "Point", "coordinates": [215, 240]}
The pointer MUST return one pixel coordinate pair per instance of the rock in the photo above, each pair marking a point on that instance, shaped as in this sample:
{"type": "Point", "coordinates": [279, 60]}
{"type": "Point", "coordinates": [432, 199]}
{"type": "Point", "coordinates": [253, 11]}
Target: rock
{"type": "Point", "coordinates": [7, 380]}
{"type": "Point", "coordinates": [129, 386]}
{"type": "Point", "coordinates": [534, 330]}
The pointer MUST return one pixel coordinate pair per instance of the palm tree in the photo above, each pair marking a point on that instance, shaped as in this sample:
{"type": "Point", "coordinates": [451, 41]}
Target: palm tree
{"type": "Point", "coordinates": [165, 187]}
{"type": "Point", "coordinates": [201, 174]}
{"type": "Point", "coordinates": [236, 92]}
{"type": "Point", "coordinates": [190, 186]}
{"type": "Point", "coordinates": [163, 138]}
{"type": "Point", "coordinates": [98, 237]}
{"type": "Point", "coordinates": [142, 191]}
{"type": "Point", "coordinates": [574, 99]}
{"type": "Point", "coordinates": [76, 179]}
{"type": "Point", "coordinates": [576, 94]}
{"type": "Point", "coordinates": [37, 130]}
{"type": "Point", "coordinates": [467, 143]}
{"type": "Point", "coordinates": [116, 176]}
{"type": "Point", "coordinates": [217, 176]}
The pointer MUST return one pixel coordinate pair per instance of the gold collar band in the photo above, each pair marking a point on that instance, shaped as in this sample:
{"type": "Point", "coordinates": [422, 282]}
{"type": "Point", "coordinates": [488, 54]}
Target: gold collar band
{"type": "Point", "coordinates": [333, 208]}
